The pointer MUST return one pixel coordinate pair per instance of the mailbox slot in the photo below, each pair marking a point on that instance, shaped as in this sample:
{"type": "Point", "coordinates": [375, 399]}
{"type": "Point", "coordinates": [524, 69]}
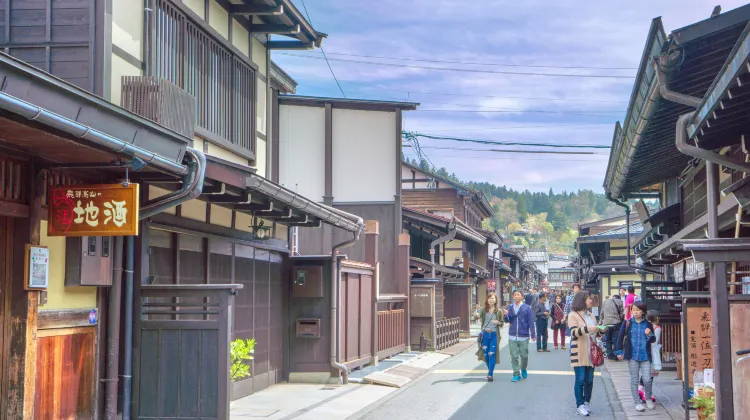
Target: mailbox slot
{"type": "Point", "coordinates": [308, 327]}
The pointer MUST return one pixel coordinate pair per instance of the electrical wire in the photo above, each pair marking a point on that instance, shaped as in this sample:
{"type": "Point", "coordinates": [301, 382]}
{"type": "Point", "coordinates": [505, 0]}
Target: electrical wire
{"type": "Point", "coordinates": [324, 53]}
{"type": "Point", "coordinates": [458, 94]}
{"type": "Point", "coordinates": [520, 111]}
{"type": "Point", "coordinates": [593, 125]}
{"type": "Point", "coordinates": [510, 143]}
{"type": "Point", "coordinates": [477, 63]}
{"type": "Point", "coordinates": [542, 152]}
{"type": "Point", "coordinates": [512, 73]}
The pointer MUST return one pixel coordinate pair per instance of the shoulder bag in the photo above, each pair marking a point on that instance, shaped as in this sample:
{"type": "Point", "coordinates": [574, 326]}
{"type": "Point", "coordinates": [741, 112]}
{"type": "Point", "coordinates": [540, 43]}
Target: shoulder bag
{"type": "Point", "coordinates": [596, 355]}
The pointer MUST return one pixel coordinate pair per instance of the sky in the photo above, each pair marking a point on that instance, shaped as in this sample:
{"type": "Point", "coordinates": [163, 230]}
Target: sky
{"type": "Point", "coordinates": [487, 43]}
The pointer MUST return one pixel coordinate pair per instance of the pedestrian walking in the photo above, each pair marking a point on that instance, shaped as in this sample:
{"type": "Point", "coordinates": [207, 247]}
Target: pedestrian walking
{"type": "Point", "coordinates": [569, 305]}
{"type": "Point", "coordinates": [629, 301]}
{"type": "Point", "coordinates": [541, 316]}
{"type": "Point", "coordinates": [521, 330]}
{"type": "Point", "coordinates": [583, 330]}
{"type": "Point", "coordinates": [491, 320]}
{"type": "Point", "coordinates": [558, 322]}
{"type": "Point", "coordinates": [612, 316]}
{"type": "Point", "coordinates": [652, 316]}
{"type": "Point", "coordinates": [634, 345]}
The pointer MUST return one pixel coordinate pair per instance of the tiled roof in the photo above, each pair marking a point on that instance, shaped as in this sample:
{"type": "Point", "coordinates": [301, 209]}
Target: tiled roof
{"type": "Point", "coordinates": [636, 228]}
{"type": "Point", "coordinates": [535, 255]}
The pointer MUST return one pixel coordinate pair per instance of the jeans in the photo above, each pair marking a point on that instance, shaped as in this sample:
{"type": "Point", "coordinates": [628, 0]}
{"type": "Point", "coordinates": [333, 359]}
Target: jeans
{"type": "Point", "coordinates": [561, 333]}
{"type": "Point", "coordinates": [584, 384]}
{"type": "Point", "coordinates": [489, 345]}
{"type": "Point", "coordinates": [519, 355]}
{"type": "Point", "coordinates": [638, 371]}
{"type": "Point", "coordinates": [542, 334]}
{"type": "Point", "coordinates": [610, 337]}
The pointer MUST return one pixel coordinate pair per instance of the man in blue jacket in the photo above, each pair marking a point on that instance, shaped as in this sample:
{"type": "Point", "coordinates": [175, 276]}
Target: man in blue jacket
{"type": "Point", "coordinates": [521, 319]}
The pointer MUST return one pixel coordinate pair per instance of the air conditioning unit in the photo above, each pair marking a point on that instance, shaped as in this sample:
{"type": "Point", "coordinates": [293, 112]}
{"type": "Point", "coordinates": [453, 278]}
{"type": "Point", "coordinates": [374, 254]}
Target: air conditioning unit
{"type": "Point", "coordinates": [160, 101]}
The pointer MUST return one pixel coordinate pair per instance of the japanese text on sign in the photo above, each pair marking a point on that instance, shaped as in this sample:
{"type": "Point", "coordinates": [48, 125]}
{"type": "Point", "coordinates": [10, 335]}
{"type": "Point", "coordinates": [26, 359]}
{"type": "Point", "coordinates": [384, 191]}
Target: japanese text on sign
{"type": "Point", "coordinates": [700, 342]}
{"type": "Point", "coordinates": [93, 210]}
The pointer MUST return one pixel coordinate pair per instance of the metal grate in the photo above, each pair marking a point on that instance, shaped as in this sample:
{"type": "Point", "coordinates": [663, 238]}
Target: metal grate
{"type": "Point", "coordinates": [448, 330]}
{"type": "Point", "coordinates": [160, 101]}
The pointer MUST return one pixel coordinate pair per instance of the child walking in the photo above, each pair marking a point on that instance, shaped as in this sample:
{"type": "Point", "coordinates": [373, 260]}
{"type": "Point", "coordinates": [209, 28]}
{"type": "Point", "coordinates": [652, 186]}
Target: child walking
{"type": "Point", "coordinates": [652, 316]}
{"type": "Point", "coordinates": [634, 345]}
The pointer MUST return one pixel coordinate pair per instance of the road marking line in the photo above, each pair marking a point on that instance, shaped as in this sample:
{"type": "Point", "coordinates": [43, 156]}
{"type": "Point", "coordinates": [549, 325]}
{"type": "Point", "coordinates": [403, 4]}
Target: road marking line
{"type": "Point", "coordinates": [531, 372]}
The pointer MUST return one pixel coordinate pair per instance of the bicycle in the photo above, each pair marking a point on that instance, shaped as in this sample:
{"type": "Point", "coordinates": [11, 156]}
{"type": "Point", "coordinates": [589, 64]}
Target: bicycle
{"type": "Point", "coordinates": [746, 355]}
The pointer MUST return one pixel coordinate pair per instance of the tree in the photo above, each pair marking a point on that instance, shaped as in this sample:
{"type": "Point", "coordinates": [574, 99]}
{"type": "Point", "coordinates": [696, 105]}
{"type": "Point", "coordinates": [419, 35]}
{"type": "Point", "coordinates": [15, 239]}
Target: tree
{"type": "Point", "coordinates": [523, 213]}
{"type": "Point", "coordinates": [514, 227]}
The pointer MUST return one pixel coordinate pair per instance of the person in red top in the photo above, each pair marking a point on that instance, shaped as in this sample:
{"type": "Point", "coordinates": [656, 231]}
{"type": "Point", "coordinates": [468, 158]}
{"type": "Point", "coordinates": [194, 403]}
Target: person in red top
{"type": "Point", "coordinates": [558, 321]}
{"type": "Point", "coordinates": [629, 301]}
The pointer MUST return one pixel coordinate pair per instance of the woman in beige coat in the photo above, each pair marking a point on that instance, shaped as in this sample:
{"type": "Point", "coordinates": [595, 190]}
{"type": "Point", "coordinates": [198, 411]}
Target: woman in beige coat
{"type": "Point", "coordinates": [583, 329]}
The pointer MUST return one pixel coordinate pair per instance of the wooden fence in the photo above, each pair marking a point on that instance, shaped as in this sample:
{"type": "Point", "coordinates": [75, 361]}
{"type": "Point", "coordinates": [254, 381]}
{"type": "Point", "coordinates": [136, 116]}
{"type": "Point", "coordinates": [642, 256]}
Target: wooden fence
{"type": "Point", "coordinates": [448, 330]}
{"type": "Point", "coordinates": [391, 337]}
{"type": "Point", "coordinates": [356, 311]}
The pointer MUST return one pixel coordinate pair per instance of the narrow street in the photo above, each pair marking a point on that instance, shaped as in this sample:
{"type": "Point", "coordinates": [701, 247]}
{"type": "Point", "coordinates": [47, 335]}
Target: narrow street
{"type": "Point", "coordinates": [458, 389]}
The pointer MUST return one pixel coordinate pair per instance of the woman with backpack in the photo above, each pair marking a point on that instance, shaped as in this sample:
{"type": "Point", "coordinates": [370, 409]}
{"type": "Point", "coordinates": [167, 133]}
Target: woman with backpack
{"type": "Point", "coordinates": [634, 345]}
{"type": "Point", "coordinates": [583, 335]}
{"type": "Point", "coordinates": [491, 320]}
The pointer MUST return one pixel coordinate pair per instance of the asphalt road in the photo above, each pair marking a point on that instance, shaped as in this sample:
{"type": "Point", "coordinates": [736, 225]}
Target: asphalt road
{"type": "Point", "coordinates": [458, 390]}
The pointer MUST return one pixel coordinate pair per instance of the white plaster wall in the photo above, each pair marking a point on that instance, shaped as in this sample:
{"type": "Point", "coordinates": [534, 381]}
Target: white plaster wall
{"type": "Point", "coordinates": [198, 6]}
{"type": "Point", "coordinates": [127, 27]}
{"type": "Point", "coordinates": [259, 56]}
{"type": "Point", "coordinates": [218, 18]}
{"type": "Point", "coordinates": [364, 156]}
{"type": "Point", "coordinates": [240, 37]}
{"type": "Point", "coordinates": [302, 150]}
{"type": "Point", "coordinates": [260, 157]}
{"type": "Point", "coordinates": [120, 68]}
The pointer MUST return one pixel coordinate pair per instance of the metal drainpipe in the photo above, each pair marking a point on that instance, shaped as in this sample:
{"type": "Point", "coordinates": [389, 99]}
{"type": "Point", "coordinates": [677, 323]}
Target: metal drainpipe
{"type": "Point", "coordinates": [127, 366]}
{"type": "Point", "coordinates": [192, 186]}
{"type": "Point", "coordinates": [113, 333]}
{"type": "Point", "coordinates": [441, 240]}
{"type": "Point", "coordinates": [334, 305]}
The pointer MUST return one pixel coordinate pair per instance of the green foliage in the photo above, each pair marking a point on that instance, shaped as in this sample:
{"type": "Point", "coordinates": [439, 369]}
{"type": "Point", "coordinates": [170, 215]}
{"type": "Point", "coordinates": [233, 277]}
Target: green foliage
{"type": "Point", "coordinates": [706, 404]}
{"type": "Point", "coordinates": [240, 353]}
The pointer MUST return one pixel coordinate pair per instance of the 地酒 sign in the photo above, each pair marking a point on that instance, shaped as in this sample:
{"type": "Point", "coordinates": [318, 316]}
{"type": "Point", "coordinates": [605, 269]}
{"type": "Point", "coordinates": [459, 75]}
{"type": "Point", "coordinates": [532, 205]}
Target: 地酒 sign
{"type": "Point", "coordinates": [93, 210]}
{"type": "Point", "coordinates": [699, 340]}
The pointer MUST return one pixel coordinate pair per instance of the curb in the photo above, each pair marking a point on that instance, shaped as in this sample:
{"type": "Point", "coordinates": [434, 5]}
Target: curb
{"type": "Point", "coordinates": [366, 410]}
{"type": "Point", "coordinates": [618, 411]}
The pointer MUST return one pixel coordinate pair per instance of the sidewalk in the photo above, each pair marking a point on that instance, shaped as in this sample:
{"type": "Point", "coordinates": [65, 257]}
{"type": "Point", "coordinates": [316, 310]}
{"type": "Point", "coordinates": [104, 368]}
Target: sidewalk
{"type": "Point", "coordinates": [314, 402]}
{"type": "Point", "coordinates": [667, 389]}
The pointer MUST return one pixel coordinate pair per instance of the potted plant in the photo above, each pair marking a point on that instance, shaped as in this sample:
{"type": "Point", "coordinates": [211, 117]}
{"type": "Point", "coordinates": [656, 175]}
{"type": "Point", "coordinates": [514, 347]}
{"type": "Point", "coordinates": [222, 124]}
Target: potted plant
{"type": "Point", "coordinates": [705, 402]}
{"type": "Point", "coordinates": [240, 354]}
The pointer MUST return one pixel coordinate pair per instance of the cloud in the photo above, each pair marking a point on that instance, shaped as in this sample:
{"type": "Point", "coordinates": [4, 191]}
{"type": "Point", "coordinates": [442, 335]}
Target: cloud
{"type": "Point", "coordinates": [560, 34]}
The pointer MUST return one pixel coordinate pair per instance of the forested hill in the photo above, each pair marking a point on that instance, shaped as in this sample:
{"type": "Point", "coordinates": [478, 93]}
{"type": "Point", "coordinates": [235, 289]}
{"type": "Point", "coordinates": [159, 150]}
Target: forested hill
{"type": "Point", "coordinates": [538, 219]}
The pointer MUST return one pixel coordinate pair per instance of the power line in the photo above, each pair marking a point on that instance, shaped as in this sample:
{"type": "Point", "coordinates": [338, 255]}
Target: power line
{"type": "Point", "coordinates": [597, 125]}
{"type": "Point", "coordinates": [324, 53]}
{"type": "Point", "coordinates": [519, 111]}
{"type": "Point", "coordinates": [477, 63]}
{"type": "Point", "coordinates": [460, 94]}
{"type": "Point", "coordinates": [509, 143]}
{"type": "Point", "coordinates": [512, 73]}
{"type": "Point", "coordinates": [541, 152]}
{"type": "Point", "coordinates": [453, 156]}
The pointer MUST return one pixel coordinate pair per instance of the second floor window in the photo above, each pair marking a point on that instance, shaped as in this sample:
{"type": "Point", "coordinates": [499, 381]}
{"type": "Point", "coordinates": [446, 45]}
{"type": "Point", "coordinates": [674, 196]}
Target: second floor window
{"type": "Point", "coordinates": [222, 82]}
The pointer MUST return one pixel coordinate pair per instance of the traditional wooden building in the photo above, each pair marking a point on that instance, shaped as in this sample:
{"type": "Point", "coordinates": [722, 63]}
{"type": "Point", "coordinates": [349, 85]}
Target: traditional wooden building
{"type": "Point", "coordinates": [682, 142]}
{"type": "Point", "coordinates": [427, 193]}
{"type": "Point", "coordinates": [199, 134]}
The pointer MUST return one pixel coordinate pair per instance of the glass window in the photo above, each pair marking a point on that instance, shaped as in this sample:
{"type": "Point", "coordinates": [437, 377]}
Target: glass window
{"type": "Point", "coordinates": [161, 256]}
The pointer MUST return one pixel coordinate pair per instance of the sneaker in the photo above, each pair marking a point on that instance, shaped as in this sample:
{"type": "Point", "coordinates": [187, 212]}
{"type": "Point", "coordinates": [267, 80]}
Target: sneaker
{"type": "Point", "coordinates": [524, 374]}
{"type": "Point", "coordinates": [546, 350]}
{"type": "Point", "coordinates": [640, 407]}
{"type": "Point", "coordinates": [515, 379]}
{"type": "Point", "coordinates": [650, 404]}
{"type": "Point", "coordinates": [582, 411]}
{"type": "Point", "coordinates": [586, 404]}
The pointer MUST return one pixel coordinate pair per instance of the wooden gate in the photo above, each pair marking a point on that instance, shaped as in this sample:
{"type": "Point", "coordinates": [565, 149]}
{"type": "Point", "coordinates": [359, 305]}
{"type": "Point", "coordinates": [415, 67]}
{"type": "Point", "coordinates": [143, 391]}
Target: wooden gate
{"type": "Point", "coordinates": [356, 311]}
{"type": "Point", "coordinates": [182, 352]}
{"type": "Point", "coordinates": [448, 332]}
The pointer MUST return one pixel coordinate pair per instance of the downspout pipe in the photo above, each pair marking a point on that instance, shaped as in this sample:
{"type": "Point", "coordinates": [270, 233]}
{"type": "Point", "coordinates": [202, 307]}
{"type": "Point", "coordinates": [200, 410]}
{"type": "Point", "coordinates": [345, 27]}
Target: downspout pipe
{"type": "Point", "coordinates": [113, 333]}
{"type": "Point", "coordinates": [192, 186]}
{"type": "Point", "coordinates": [452, 229]}
{"type": "Point", "coordinates": [335, 269]}
{"type": "Point", "coordinates": [627, 235]}
{"type": "Point", "coordinates": [681, 134]}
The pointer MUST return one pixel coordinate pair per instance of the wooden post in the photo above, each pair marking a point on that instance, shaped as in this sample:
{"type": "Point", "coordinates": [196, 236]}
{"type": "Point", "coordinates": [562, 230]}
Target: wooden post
{"type": "Point", "coordinates": [467, 267]}
{"type": "Point", "coordinates": [23, 309]}
{"type": "Point", "coordinates": [402, 268]}
{"type": "Point", "coordinates": [372, 233]}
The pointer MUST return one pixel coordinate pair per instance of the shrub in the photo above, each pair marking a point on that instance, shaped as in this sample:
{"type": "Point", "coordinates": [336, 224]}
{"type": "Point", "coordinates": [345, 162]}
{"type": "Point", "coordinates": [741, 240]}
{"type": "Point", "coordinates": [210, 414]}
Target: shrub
{"type": "Point", "coordinates": [240, 353]}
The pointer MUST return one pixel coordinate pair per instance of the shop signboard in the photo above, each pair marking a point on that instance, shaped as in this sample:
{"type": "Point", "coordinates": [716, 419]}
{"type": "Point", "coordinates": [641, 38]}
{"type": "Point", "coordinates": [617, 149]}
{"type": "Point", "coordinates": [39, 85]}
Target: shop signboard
{"type": "Point", "coordinates": [93, 210]}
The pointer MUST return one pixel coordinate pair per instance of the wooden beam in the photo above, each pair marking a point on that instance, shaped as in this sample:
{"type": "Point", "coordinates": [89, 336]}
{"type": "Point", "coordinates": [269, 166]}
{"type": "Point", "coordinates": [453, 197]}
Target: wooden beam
{"type": "Point", "coordinates": [276, 214]}
{"type": "Point", "coordinates": [230, 199]}
{"type": "Point", "coordinates": [13, 209]}
{"type": "Point", "coordinates": [259, 207]}
{"type": "Point", "coordinates": [218, 189]}
{"type": "Point", "coordinates": [64, 318]}
{"type": "Point", "coordinates": [252, 9]}
{"type": "Point", "coordinates": [274, 29]}
{"type": "Point", "coordinates": [289, 45]}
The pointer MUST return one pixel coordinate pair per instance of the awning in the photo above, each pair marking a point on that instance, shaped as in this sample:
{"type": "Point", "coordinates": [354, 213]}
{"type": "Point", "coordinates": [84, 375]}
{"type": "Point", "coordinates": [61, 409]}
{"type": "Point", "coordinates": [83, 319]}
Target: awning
{"type": "Point", "coordinates": [438, 226]}
{"type": "Point", "coordinates": [280, 17]}
{"type": "Point", "coordinates": [240, 188]}
{"type": "Point", "coordinates": [424, 267]}
{"type": "Point", "coordinates": [44, 116]}
{"type": "Point", "coordinates": [643, 149]}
